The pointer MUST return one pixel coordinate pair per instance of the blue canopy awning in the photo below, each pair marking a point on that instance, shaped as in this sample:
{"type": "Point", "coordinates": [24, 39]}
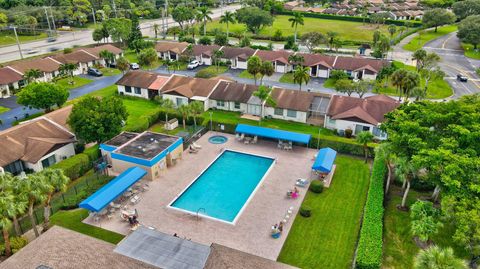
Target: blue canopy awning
{"type": "Point", "coordinates": [273, 133]}
{"type": "Point", "coordinates": [324, 160]}
{"type": "Point", "coordinates": [105, 195]}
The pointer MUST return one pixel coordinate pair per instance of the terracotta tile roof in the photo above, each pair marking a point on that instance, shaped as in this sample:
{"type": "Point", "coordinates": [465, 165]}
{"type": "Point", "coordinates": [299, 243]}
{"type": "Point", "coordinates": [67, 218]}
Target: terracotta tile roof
{"type": "Point", "coordinates": [233, 92]}
{"type": "Point", "coordinates": [270, 55]}
{"type": "Point", "coordinates": [312, 59]}
{"type": "Point", "coordinates": [368, 110]}
{"type": "Point", "coordinates": [8, 76]}
{"type": "Point", "coordinates": [62, 248]}
{"type": "Point", "coordinates": [45, 65]}
{"type": "Point", "coordinates": [79, 56]}
{"type": "Point", "coordinates": [96, 50]}
{"type": "Point", "coordinates": [177, 47]}
{"type": "Point", "coordinates": [189, 87]}
{"type": "Point", "coordinates": [358, 63]}
{"type": "Point", "coordinates": [30, 141]}
{"type": "Point", "coordinates": [242, 53]}
{"type": "Point", "coordinates": [204, 49]}
{"type": "Point", "coordinates": [142, 79]}
{"type": "Point", "coordinates": [292, 99]}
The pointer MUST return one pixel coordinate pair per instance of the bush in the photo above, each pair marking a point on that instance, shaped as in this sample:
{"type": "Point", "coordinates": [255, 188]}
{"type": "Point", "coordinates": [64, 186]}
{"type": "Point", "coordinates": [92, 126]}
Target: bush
{"type": "Point", "coordinates": [221, 39]}
{"type": "Point", "coordinates": [205, 73]}
{"type": "Point", "coordinates": [18, 243]}
{"type": "Point", "coordinates": [370, 244]}
{"type": "Point", "coordinates": [316, 186]}
{"type": "Point", "coordinates": [187, 39]}
{"type": "Point", "coordinates": [75, 166]}
{"type": "Point", "coordinates": [93, 153]}
{"type": "Point", "coordinates": [259, 47]}
{"type": "Point", "coordinates": [277, 36]}
{"type": "Point", "coordinates": [348, 133]}
{"type": "Point", "coordinates": [290, 44]}
{"type": "Point", "coordinates": [79, 147]}
{"type": "Point", "coordinates": [338, 74]}
{"type": "Point", "coordinates": [305, 211]}
{"type": "Point", "coordinates": [205, 40]}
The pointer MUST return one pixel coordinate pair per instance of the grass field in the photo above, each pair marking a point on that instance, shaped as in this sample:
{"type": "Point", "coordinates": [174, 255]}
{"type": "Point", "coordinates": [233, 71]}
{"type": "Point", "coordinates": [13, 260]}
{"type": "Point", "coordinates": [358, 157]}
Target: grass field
{"type": "Point", "coordinates": [399, 249]}
{"type": "Point", "coordinates": [327, 239]}
{"type": "Point", "coordinates": [212, 70]}
{"type": "Point", "coordinates": [110, 71]}
{"type": "Point", "coordinates": [329, 83]}
{"type": "Point", "coordinates": [78, 82]}
{"type": "Point", "coordinates": [347, 30]}
{"type": "Point", "coordinates": [73, 220]}
{"type": "Point", "coordinates": [424, 36]}
{"type": "Point", "coordinates": [3, 109]}
{"type": "Point", "coordinates": [245, 74]}
{"type": "Point", "coordinates": [470, 53]}
{"type": "Point", "coordinates": [9, 38]}
{"type": "Point", "coordinates": [287, 78]}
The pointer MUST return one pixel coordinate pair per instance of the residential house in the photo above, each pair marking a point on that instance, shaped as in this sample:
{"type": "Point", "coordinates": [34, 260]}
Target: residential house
{"type": "Point", "coordinates": [359, 68]}
{"type": "Point", "coordinates": [35, 145]}
{"type": "Point", "coordinates": [204, 53]}
{"type": "Point", "coordinates": [81, 58]}
{"type": "Point", "coordinates": [48, 68]}
{"type": "Point", "coordinates": [290, 105]}
{"type": "Point", "coordinates": [141, 84]}
{"type": "Point", "coordinates": [320, 65]}
{"type": "Point", "coordinates": [237, 56]}
{"type": "Point", "coordinates": [232, 96]}
{"type": "Point", "coordinates": [278, 58]}
{"type": "Point", "coordinates": [168, 50]}
{"type": "Point", "coordinates": [9, 81]}
{"type": "Point", "coordinates": [359, 114]}
{"type": "Point", "coordinates": [95, 51]}
{"type": "Point", "coordinates": [293, 4]}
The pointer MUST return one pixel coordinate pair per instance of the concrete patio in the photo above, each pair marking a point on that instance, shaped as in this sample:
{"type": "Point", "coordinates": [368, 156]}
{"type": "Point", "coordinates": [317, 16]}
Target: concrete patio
{"type": "Point", "coordinates": [251, 233]}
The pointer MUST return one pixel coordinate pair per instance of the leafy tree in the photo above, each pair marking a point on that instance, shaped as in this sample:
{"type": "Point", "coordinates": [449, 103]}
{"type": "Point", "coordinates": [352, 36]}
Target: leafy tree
{"type": "Point", "coordinates": [437, 17]}
{"type": "Point", "coordinates": [301, 75]}
{"type": "Point", "coordinates": [27, 22]}
{"type": "Point", "coordinates": [419, 56]}
{"type": "Point", "coordinates": [424, 220]}
{"type": "Point", "coordinates": [43, 96]}
{"type": "Point", "coordinates": [67, 69]}
{"type": "Point", "coordinates": [3, 19]}
{"type": "Point", "coordinates": [361, 87]}
{"type": "Point", "coordinates": [430, 69]}
{"type": "Point", "coordinates": [119, 29]}
{"type": "Point", "coordinates": [32, 74]}
{"type": "Point", "coordinates": [184, 110]}
{"type": "Point", "coordinates": [95, 120]}
{"type": "Point", "coordinates": [344, 85]}
{"type": "Point", "coordinates": [108, 56]}
{"type": "Point", "coordinates": [34, 186]}
{"type": "Point", "coordinates": [469, 30]}
{"type": "Point", "coordinates": [183, 15]}
{"type": "Point", "coordinates": [338, 74]}
{"type": "Point", "coordinates": [254, 65]}
{"type": "Point", "coordinates": [221, 39]}
{"type": "Point", "coordinates": [296, 20]}
{"type": "Point", "coordinates": [435, 257]}
{"type": "Point", "coordinates": [466, 8]}
{"type": "Point", "coordinates": [228, 18]}
{"type": "Point", "coordinates": [205, 40]}
{"type": "Point", "coordinates": [217, 56]}
{"type": "Point", "coordinates": [123, 64]}
{"type": "Point", "coordinates": [135, 34]}
{"type": "Point", "coordinates": [266, 69]}
{"type": "Point", "coordinates": [156, 29]}
{"type": "Point", "coordinates": [79, 11]}
{"type": "Point", "coordinates": [97, 35]}
{"type": "Point", "coordinates": [331, 36]}
{"type": "Point", "coordinates": [196, 109]}
{"type": "Point", "coordinates": [55, 180]}
{"type": "Point", "coordinates": [364, 138]}
{"type": "Point", "coordinates": [290, 44]}
{"type": "Point", "coordinates": [244, 41]}
{"type": "Point", "coordinates": [204, 15]}
{"type": "Point", "coordinates": [263, 93]}
{"type": "Point", "coordinates": [376, 37]}
{"type": "Point", "coordinates": [147, 56]}
{"type": "Point", "coordinates": [254, 18]}
{"type": "Point", "coordinates": [311, 40]}
{"type": "Point", "coordinates": [167, 105]}
{"type": "Point", "coordinates": [392, 29]}
{"type": "Point", "coordinates": [405, 172]}
{"type": "Point", "coordinates": [385, 74]}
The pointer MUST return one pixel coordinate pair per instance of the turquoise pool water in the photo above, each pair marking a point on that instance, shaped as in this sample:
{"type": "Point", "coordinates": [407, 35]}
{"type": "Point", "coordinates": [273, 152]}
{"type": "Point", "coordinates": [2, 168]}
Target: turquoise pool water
{"type": "Point", "coordinates": [225, 186]}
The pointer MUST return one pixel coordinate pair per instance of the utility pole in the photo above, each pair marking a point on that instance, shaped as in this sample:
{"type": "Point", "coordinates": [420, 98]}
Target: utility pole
{"type": "Point", "coordinates": [165, 25]}
{"type": "Point", "coordinates": [48, 21]}
{"type": "Point", "coordinates": [93, 14]}
{"type": "Point", "coordinates": [53, 21]}
{"type": "Point", "coordinates": [18, 42]}
{"type": "Point", "coordinates": [114, 8]}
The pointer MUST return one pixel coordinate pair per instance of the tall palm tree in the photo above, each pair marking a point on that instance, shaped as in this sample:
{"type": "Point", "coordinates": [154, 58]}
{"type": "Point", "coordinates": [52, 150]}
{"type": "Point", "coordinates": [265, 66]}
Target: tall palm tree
{"type": "Point", "coordinates": [184, 110]}
{"type": "Point", "coordinates": [398, 81]}
{"type": "Point", "coordinates": [167, 105]}
{"type": "Point", "coordinates": [7, 210]}
{"type": "Point", "coordinates": [419, 56]}
{"type": "Point", "coordinates": [301, 75]}
{"type": "Point", "coordinates": [227, 18]}
{"type": "Point", "coordinates": [32, 74]}
{"type": "Point", "coordinates": [331, 36]}
{"type": "Point", "coordinates": [216, 56]}
{"type": "Point", "coordinates": [263, 93]}
{"type": "Point", "coordinates": [296, 20]}
{"type": "Point", "coordinates": [204, 15]}
{"type": "Point", "coordinates": [67, 69]}
{"type": "Point", "coordinates": [404, 171]}
{"type": "Point", "coordinates": [55, 180]}
{"type": "Point", "coordinates": [10, 183]}
{"type": "Point", "coordinates": [385, 150]}
{"type": "Point", "coordinates": [410, 81]}
{"type": "Point", "coordinates": [254, 64]}
{"type": "Point", "coordinates": [437, 258]}
{"type": "Point", "coordinates": [196, 108]}
{"type": "Point", "coordinates": [364, 138]}
{"type": "Point", "coordinates": [35, 186]}
{"type": "Point", "coordinates": [107, 56]}
{"type": "Point", "coordinates": [296, 59]}
{"type": "Point", "coordinates": [156, 30]}
{"type": "Point", "coordinates": [266, 69]}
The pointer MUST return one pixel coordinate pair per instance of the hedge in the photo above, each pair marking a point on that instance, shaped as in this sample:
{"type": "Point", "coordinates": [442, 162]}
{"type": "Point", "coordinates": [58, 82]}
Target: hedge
{"type": "Point", "coordinates": [369, 250]}
{"type": "Point", "coordinates": [76, 166]}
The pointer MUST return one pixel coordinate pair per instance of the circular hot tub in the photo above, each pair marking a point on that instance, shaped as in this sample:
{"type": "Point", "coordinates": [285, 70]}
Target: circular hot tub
{"type": "Point", "coordinates": [218, 139]}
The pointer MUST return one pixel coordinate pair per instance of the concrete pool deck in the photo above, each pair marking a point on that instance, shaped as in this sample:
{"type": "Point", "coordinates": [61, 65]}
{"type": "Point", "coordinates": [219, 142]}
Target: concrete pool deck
{"type": "Point", "coordinates": [251, 233]}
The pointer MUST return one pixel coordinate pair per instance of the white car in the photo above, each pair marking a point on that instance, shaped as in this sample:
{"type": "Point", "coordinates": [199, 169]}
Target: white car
{"type": "Point", "coordinates": [134, 66]}
{"type": "Point", "coordinates": [193, 64]}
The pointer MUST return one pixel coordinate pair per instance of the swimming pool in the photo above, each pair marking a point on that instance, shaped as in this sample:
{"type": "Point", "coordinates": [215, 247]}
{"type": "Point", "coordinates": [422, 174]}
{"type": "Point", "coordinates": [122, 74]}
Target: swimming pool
{"type": "Point", "coordinates": [218, 139]}
{"type": "Point", "coordinates": [224, 188]}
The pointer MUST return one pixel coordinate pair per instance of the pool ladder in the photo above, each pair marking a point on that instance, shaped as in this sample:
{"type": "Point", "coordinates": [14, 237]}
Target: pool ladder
{"type": "Point", "coordinates": [198, 210]}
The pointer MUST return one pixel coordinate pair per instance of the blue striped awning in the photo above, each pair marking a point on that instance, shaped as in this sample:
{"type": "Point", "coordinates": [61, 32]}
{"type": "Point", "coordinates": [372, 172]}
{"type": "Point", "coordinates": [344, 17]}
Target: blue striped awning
{"type": "Point", "coordinates": [273, 133]}
{"type": "Point", "coordinates": [324, 160]}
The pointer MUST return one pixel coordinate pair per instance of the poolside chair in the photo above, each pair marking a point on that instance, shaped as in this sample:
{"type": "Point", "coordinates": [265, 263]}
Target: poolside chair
{"type": "Point", "coordinates": [242, 136]}
{"type": "Point", "coordinates": [191, 149]}
{"type": "Point", "coordinates": [116, 206]}
{"type": "Point", "coordinates": [254, 141]}
{"type": "Point", "coordinates": [135, 200]}
{"type": "Point", "coordinates": [302, 182]}
{"type": "Point", "coordinates": [197, 146]}
{"type": "Point", "coordinates": [237, 136]}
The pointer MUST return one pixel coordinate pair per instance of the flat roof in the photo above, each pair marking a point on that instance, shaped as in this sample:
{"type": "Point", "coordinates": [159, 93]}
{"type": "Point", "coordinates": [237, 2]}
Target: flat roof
{"type": "Point", "coordinates": [147, 145]}
{"type": "Point", "coordinates": [121, 139]}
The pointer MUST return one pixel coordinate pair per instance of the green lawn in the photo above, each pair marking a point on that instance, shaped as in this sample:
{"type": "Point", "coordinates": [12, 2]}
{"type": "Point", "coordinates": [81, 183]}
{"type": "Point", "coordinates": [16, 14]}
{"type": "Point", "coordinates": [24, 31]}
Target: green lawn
{"type": "Point", "coordinates": [73, 220]}
{"type": "Point", "coordinates": [287, 78]}
{"type": "Point", "coordinates": [8, 38]}
{"type": "Point", "coordinates": [399, 249]}
{"type": "Point", "coordinates": [138, 107]}
{"type": "Point", "coordinates": [213, 71]}
{"type": "Point", "coordinates": [424, 36]}
{"type": "Point", "coordinates": [329, 83]}
{"type": "Point", "coordinates": [3, 109]}
{"type": "Point", "coordinates": [105, 92]}
{"type": "Point", "coordinates": [131, 56]}
{"type": "Point", "coordinates": [245, 74]}
{"type": "Point", "coordinates": [328, 238]}
{"type": "Point", "coordinates": [110, 71]}
{"type": "Point", "coordinates": [347, 30]}
{"type": "Point", "coordinates": [78, 82]}
{"type": "Point", "coordinates": [470, 52]}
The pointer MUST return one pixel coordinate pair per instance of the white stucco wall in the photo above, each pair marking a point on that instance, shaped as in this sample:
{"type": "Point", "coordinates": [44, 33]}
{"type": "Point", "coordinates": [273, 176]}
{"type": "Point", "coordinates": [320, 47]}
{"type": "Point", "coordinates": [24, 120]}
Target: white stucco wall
{"type": "Point", "coordinates": [301, 116]}
{"type": "Point", "coordinates": [60, 154]}
{"type": "Point", "coordinates": [5, 90]}
{"type": "Point", "coordinates": [241, 64]}
{"type": "Point", "coordinates": [229, 106]}
{"type": "Point", "coordinates": [344, 124]}
{"type": "Point", "coordinates": [143, 94]}
{"type": "Point", "coordinates": [174, 98]}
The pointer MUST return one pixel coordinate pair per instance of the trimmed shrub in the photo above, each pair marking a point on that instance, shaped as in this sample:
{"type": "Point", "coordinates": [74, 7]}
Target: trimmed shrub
{"type": "Point", "coordinates": [75, 166]}
{"type": "Point", "coordinates": [370, 244]}
{"type": "Point", "coordinates": [205, 40]}
{"type": "Point", "coordinates": [93, 152]}
{"type": "Point", "coordinates": [316, 186]}
{"type": "Point", "coordinates": [352, 148]}
{"type": "Point", "coordinates": [305, 211]}
{"type": "Point", "coordinates": [18, 243]}
{"type": "Point", "coordinates": [205, 73]}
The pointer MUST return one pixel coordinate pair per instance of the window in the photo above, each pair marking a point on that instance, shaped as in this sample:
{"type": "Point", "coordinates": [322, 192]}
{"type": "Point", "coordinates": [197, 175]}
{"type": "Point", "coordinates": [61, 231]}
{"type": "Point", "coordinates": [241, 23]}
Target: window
{"type": "Point", "coordinates": [278, 111]}
{"type": "Point", "coordinates": [378, 133]}
{"type": "Point", "coordinates": [128, 89]}
{"type": "Point", "coordinates": [291, 113]}
{"type": "Point", "coordinates": [361, 128]}
{"type": "Point", "coordinates": [332, 121]}
{"type": "Point", "coordinates": [49, 161]}
{"type": "Point", "coordinates": [237, 105]}
{"type": "Point", "coordinates": [138, 90]}
{"type": "Point", "coordinates": [179, 101]}
{"type": "Point", "coordinates": [220, 103]}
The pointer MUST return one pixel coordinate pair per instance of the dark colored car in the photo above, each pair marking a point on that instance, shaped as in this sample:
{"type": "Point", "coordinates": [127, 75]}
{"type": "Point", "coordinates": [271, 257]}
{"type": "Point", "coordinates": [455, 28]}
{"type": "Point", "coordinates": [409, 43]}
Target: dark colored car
{"type": "Point", "coordinates": [54, 49]}
{"type": "Point", "coordinates": [462, 78]}
{"type": "Point", "coordinates": [94, 72]}
{"type": "Point", "coordinates": [51, 39]}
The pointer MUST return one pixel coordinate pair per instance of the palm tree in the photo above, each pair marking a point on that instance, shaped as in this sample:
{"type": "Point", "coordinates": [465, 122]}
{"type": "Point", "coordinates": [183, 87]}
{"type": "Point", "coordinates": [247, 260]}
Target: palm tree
{"type": "Point", "coordinates": [296, 20]}
{"type": "Point", "coordinates": [184, 110]}
{"type": "Point", "coordinates": [55, 181]}
{"type": "Point", "coordinates": [196, 108]}
{"type": "Point", "coordinates": [263, 93]}
{"type": "Point", "coordinates": [419, 56]}
{"type": "Point", "coordinates": [108, 56]}
{"type": "Point", "coordinates": [216, 56]}
{"type": "Point", "coordinates": [410, 81]}
{"type": "Point", "coordinates": [34, 185]}
{"type": "Point", "coordinates": [266, 69]}
{"type": "Point", "coordinates": [392, 29]}
{"type": "Point", "coordinates": [166, 104]}
{"type": "Point", "coordinates": [156, 30]}
{"type": "Point", "coordinates": [385, 150]}
{"type": "Point", "coordinates": [337, 44]}
{"type": "Point", "coordinates": [227, 18]}
{"type": "Point", "coordinates": [31, 74]}
{"type": "Point", "coordinates": [404, 171]}
{"type": "Point", "coordinates": [418, 93]}
{"type": "Point", "coordinates": [123, 64]}
{"type": "Point", "coordinates": [437, 258]}
{"type": "Point", "coordinates": [204, 15]}
{"type": "Point", "coordinates": [398, 80]}
{"type": "Point", "coordinates": [301, 75]}
{"type": "Point", "coordinates": [331, 35]}
{"type": "Point", "coordinates": [296, 59]}
{"type": "Point", "coordinates": [7, 210]}
{"type": "Point", "coordinates": [13, 184]}
{"type": "Point", "coordinates": [254, 64]}
{"type": "Point", "coordinates": [364, 138]}
{"type": "Point", "coordinates": [67, 69]}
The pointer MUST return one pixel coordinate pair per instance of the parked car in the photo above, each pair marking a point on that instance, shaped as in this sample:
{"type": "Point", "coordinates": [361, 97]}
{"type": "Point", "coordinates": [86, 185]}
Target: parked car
{"type": "Point", "coordinates": [94, 72]}
{"type": "Point", "coordinates": [51, 39]}
{"type": "Point", "coordinates": [462, 78]}
{"type": "Point", "coordinates": [31, 51]}
{"type": "Point", "coordinates": [134, 66]}
{"type": "Point", "coordinates": [54, 49]}
{"type": "Point", "coordinates": [193, 64]}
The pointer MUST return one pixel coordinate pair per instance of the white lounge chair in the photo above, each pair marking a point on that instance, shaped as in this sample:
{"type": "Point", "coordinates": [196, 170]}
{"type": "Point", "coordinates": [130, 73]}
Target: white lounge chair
{"type": "Point", "coordinates": [254, 141]}
{"type": "Point", "coordinates": [237, 136]}
{"type": "Point", "coordinates": [197, 146]}
{"type": "Point", "coordinates": [302, 182]}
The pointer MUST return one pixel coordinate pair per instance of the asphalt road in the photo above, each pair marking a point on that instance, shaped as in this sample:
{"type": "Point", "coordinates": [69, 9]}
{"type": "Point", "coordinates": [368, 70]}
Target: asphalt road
{"type": "Point", "coordinates": [84, 37]}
